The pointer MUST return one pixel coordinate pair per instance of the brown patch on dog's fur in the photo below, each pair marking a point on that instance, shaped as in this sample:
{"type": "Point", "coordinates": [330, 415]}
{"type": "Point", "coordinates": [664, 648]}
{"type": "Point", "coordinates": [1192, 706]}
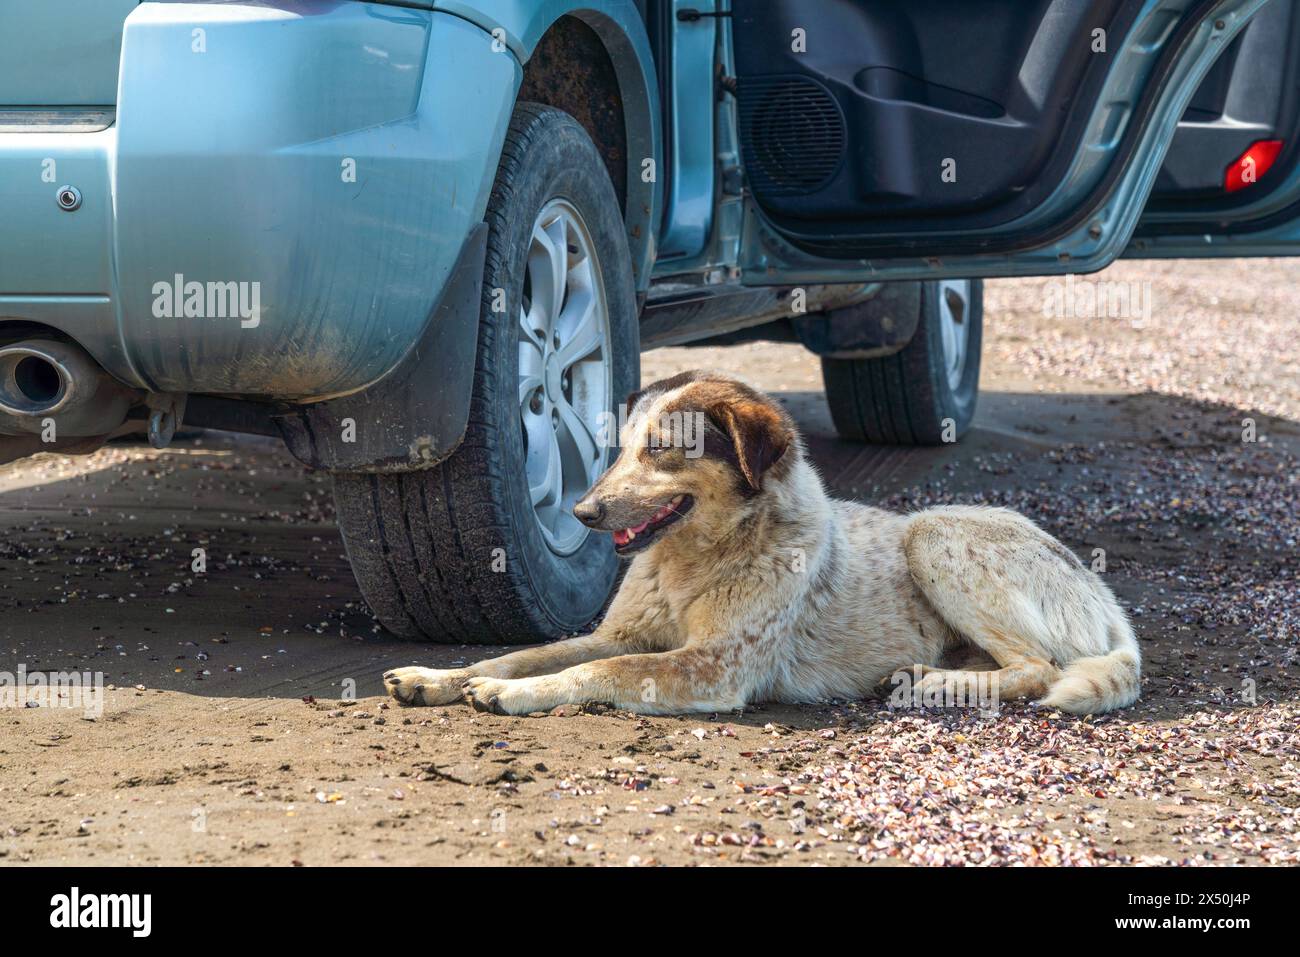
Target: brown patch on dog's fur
{"type": "Point", "coordinates": [758, 430]}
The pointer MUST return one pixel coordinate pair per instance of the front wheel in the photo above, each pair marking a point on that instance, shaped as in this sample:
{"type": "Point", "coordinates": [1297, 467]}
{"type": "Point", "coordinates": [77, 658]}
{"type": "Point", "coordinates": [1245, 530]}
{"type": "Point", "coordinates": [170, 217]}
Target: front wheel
{"type": "Point", "coordinates": [926, 393]}
{"type": "Point", "coordinates": [484, 548]}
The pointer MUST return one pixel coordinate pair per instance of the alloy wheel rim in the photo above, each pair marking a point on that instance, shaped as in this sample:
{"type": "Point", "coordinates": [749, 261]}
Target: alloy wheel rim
{"type": "Point", "coordinates": [954, 328]}
{"type": "Point", "coordinates": [565, 372]}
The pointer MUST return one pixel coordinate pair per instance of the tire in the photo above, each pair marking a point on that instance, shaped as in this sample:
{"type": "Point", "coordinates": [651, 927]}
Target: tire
{"type": "Point", "coordinates": [926, 393]}
{"type": "Point", "coordinates": [460, 553]}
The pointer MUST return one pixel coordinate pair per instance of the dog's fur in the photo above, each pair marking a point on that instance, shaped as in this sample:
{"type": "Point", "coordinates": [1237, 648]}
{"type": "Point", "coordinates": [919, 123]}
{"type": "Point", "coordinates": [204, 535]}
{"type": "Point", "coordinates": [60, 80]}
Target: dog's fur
{"type": "Point", "coordinates": [766, 589]}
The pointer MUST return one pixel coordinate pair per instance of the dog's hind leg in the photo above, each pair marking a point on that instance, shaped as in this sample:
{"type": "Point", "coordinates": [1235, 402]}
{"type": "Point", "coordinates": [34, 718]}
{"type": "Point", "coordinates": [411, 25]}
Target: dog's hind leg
{"type": "Point", "coordinates": [1022, 677]}
{"type": "Point", "coordinates": [969, 670]}
{"type": "Point", "coordinates": [1005, 587]}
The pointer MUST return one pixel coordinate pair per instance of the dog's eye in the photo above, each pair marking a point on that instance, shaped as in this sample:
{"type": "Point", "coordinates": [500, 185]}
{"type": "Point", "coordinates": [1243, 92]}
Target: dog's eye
{"type": "Point", "coordinates": [656, 449]}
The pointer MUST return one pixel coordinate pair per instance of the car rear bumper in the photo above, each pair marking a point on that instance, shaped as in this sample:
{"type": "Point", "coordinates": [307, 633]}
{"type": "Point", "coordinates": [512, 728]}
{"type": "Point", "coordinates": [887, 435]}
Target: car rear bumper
{"type": "Point", "coordinates": [278, 205]}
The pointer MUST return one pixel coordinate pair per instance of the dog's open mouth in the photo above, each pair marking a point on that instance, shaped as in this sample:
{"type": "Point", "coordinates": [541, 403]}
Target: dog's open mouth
{"type": "Point", "coordinates": [628, 540]}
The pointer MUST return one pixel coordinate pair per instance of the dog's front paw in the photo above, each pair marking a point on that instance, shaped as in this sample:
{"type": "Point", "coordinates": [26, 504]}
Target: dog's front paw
{"type": "Point", "coordinates": [424, 686]}
{"type": "Point", "coordinates": [502, 695]}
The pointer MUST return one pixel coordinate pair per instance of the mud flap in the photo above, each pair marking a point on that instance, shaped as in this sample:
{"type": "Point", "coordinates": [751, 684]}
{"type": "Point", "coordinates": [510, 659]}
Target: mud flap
{"type": "Point", "coordinates": [414, 417]}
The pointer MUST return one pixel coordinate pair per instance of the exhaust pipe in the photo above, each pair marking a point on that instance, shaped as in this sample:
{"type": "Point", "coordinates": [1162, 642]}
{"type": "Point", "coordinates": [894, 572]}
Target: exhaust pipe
{"type": "Point", "coordinates": [44, 379]}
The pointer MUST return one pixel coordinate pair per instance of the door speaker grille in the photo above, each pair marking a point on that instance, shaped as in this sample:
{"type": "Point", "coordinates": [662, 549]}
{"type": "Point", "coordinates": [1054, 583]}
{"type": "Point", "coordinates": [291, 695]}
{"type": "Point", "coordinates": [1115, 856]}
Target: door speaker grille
{"type": "Point", "coordinates": [793, 134]}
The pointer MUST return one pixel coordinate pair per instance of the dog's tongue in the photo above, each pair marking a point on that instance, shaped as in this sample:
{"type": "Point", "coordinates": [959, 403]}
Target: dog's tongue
{"type": "Point", "coordinates": [624, 535]}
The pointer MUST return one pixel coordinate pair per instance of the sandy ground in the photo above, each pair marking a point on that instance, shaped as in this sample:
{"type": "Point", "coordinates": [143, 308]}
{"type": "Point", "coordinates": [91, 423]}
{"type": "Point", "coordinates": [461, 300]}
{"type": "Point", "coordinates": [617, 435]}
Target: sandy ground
{"type": "Point", "coordinates": [226, 736]}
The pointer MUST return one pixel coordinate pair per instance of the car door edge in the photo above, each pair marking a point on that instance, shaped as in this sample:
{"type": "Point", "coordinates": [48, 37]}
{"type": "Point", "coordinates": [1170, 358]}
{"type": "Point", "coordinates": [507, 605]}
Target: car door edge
{"type": "Point", "coordinates": [1104, 201]}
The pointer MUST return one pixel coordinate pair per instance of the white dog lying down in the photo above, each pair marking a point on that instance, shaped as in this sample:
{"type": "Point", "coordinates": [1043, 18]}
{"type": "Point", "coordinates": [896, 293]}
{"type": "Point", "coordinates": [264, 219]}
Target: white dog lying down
{"type": "Point", "coordinates": [748, 583]}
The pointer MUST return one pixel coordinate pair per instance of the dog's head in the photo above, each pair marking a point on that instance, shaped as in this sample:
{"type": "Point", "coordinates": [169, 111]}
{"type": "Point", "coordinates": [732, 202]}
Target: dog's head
{"type": "Point", "coordinates": [695, 452]}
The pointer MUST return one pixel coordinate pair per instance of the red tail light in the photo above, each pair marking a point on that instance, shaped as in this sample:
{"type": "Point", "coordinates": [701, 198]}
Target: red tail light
{"type": "Point", "coordinates": [1251, 165]}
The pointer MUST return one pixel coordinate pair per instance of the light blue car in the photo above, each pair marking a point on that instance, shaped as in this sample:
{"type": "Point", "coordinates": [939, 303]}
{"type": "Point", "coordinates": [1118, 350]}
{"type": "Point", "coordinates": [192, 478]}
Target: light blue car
{"type": "Point", "coordinates": [425, 241]}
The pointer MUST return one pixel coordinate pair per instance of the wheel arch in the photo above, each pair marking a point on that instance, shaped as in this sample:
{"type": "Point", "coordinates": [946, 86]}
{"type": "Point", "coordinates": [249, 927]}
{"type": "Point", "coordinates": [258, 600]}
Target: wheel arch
{"type": "Point", "coordinates": [622, 117]}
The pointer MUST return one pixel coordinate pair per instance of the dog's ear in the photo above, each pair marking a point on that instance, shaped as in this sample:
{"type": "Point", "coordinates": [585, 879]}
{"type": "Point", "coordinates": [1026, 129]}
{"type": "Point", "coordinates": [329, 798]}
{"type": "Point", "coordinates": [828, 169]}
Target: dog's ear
{"type": "Point", "coordinates": [759, 435]}
{"type": "Point", "coordinates": [632, 399]}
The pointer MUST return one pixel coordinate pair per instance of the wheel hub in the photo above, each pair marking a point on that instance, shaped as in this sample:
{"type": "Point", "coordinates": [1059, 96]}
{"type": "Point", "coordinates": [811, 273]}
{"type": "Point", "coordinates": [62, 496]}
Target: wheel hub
{"type": "Point", "coordinates": [954, 307]}
{"type": "Point", "coordinates": [565, 374]}
{"type": "Point", "coordinates": [554, 379]}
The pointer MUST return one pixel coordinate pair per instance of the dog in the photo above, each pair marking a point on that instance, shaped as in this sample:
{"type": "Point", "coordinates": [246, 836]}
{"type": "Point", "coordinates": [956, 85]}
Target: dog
{"type": "Point", "coordinates": [749, 584]}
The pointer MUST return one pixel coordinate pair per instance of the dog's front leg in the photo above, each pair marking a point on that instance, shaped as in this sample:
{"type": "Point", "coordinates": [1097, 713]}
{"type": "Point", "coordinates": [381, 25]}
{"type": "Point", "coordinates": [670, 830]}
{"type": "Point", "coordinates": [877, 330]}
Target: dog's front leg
{"type": "Point", "coordinates": [688, 679]}
{"type": "Point", "coordinates": [436, 686]}
{"type": "Point", "coordinates": [638, 621]}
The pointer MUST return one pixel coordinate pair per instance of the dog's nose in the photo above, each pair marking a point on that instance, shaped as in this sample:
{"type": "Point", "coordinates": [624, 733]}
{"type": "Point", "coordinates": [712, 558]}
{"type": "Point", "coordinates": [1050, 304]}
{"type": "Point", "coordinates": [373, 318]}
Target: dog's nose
{"type": "Point", "coordinates": [589, 513]}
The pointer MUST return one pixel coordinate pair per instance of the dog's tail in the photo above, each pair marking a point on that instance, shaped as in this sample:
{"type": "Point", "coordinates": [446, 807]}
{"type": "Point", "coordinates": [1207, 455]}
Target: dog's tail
{"type": "Point", "coordinates": [1102, 682]}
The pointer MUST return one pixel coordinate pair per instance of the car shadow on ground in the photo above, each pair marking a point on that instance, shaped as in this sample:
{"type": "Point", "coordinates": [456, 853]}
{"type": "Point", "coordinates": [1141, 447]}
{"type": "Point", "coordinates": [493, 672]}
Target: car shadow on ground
{"type": "Point", "coordinates": [1195, 527]}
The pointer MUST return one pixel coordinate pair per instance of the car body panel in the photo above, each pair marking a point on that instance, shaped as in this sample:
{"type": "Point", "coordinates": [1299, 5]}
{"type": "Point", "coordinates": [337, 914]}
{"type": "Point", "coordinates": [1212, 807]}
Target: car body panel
{"type": "Point", "coordinates": [224, 166]}
{"type": "Point", "coordinates": [519, 25]}
{"type": "Point", "coordinates": [522, 23]}
{"type": "Point", "coordinates": [717, 261]}
{"type": "Point", "coordinates": [65, 54]}
{"type": "Point", "coordinates": [689, 203]}
{"type": "Point", "coordinates": [1269, 226]}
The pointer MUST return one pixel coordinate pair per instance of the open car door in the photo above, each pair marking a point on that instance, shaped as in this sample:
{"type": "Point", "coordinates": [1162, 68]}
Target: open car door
{"type": "Point", "coordinates": [1230, 184]}
{"type": "Point", "coordinates": [927, 139]}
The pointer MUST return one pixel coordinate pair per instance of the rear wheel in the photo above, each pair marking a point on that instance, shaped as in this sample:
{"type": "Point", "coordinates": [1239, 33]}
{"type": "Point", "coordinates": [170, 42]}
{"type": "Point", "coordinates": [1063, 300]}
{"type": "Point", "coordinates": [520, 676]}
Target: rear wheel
{"type": "Point", "coordinates": [484, 548]}
{"type": "Point", "coordinates": [924, 394]}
